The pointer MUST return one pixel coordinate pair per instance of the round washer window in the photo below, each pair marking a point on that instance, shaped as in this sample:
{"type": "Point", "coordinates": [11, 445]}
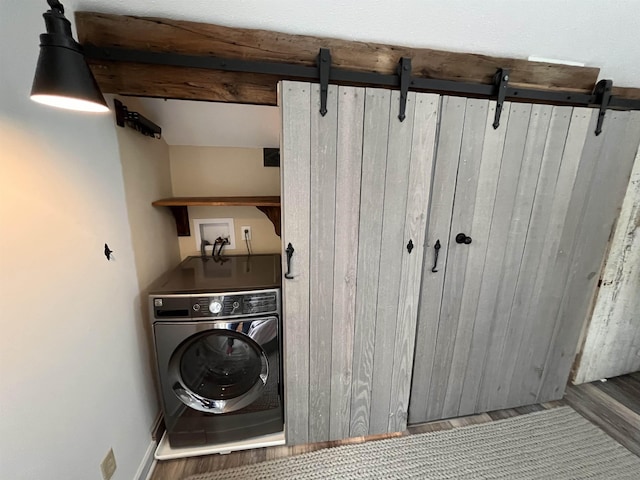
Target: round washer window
{"type": "Point", "coordinates": [221, 364]}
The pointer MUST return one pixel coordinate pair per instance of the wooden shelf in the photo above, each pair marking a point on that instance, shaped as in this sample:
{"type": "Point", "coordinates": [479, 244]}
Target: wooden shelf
{"type": "Point", "coordinates": [270, 206]}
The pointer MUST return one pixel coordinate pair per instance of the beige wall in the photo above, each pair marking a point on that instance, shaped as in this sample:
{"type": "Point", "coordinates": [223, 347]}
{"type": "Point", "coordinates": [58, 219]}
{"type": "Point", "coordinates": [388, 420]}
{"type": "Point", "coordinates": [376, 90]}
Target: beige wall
{"type": "Point", "coordinates": [217, 171]}
{"type": "Point", "coordinates": [147, 177]}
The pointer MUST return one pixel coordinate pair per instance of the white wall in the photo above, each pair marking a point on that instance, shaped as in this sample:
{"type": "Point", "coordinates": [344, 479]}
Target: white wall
{"type": "Point", "coordinates": [599, 34]}
{"type": "Point", "coordinates": [73, 356]}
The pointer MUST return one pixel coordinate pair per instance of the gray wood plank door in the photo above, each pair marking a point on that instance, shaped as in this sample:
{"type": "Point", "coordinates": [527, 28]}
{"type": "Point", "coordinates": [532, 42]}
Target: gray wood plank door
{"type": "Point", "coordinates": [499, 318]}
{"type": "Point", "coordinates": [355, 193]}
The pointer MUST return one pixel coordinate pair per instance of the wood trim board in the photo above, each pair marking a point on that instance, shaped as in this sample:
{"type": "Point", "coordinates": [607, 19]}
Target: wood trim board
{"type": "Point", "coordinates": [611, 345]}
{"type": "Point", "coordinates": [421, 167]}
{"type": "Point", "coordinates": [345, 256]}
{"type": "Point", "coordinates": [295, 171]}
{"type": "Point", "coordinates": [321, 247]}
{"type": "Point", "coordinates": [374, 161]}
{"type": "Point", "coordinates": [391, 248]}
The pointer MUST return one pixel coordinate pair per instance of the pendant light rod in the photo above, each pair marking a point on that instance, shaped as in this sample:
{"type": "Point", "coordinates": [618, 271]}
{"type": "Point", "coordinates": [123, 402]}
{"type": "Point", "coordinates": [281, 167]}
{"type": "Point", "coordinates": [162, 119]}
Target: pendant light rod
{"type": "Point", "coordinates": [56, 6]}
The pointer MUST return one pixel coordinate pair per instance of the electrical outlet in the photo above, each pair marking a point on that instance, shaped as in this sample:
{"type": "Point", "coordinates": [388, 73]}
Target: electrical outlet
{"type": "Point", "coordinates": [246, 233]}
{"type": "Point", "coordinates": [108, 465]}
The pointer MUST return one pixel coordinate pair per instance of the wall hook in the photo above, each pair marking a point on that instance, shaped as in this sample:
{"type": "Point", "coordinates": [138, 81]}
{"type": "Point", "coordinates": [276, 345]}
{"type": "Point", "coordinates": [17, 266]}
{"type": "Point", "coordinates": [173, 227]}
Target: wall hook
{"type": "Point", "coordinates": [107, 251]}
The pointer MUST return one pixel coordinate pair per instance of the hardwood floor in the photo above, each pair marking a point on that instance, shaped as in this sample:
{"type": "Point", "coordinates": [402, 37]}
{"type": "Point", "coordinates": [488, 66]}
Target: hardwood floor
{"type": "Point", "coordinates": [614, 406]}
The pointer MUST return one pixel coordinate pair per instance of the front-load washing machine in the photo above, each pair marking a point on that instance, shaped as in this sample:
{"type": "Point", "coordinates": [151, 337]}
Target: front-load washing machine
{"type": "Point", "coordinates": [216, 328]}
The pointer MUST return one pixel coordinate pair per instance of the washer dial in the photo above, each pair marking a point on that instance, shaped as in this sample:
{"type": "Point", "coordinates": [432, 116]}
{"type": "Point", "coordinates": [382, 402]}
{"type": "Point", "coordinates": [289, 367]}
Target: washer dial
{"type": "Point", "coordinates": [215, 307]}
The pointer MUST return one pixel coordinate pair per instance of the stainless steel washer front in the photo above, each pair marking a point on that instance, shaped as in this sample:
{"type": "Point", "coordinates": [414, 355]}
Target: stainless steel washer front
{"type": "Point", "coordinates": [218, 368]}
{"type": "Point", "coordinates": [218, 359]}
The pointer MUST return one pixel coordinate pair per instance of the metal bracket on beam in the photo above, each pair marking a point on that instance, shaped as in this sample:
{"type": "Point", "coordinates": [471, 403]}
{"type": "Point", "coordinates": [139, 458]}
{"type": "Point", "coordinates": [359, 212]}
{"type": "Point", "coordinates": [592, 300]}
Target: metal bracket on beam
{"type": "Point", "coordinates": [324, 68]}
{"type": "Point", "coordinates": [603, 95]}
{"type": "Point", "coordinates": [404, 71]}
{"type": "Point", "coordinates": [136, 121]}
{"type": "Point", "coordinates": [501, 82]}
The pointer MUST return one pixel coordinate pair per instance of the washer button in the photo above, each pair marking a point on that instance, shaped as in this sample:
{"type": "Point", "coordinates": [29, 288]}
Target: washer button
{"type": "Point", "coordinates": [196, 307]}
{"type": "Point", "coordinates": [215, 307]}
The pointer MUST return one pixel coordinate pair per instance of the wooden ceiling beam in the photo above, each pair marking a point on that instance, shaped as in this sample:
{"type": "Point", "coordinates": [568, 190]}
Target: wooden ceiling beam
{"type": "Point", "coordinates": [626, 92]}
{"type": "Point", "coordinates": [165, 35]}
{"type": "Point", "coordinates": [165, 81]}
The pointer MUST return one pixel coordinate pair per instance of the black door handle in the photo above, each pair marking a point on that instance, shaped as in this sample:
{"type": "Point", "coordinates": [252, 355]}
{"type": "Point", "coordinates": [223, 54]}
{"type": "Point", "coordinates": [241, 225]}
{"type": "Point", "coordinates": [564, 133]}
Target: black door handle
{"type": "Point", "coordinates": [462, 238]}
{"type": "Point", "coordinates": [436, 249]}
{"type": "Point", "coordinates": [289, 251]}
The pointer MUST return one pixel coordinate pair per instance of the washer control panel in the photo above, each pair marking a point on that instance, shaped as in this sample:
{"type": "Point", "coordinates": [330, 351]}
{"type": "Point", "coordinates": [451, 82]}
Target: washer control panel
{"type": "Point", "coordinates": [232, 305]}
{"type": "Point", "coordinates": [215, 305]}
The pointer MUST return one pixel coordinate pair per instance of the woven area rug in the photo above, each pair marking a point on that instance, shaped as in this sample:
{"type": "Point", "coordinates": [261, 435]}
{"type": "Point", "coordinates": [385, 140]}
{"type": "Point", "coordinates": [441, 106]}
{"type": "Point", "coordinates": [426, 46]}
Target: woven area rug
{"type": "Point", "coordinates": [555, 444]}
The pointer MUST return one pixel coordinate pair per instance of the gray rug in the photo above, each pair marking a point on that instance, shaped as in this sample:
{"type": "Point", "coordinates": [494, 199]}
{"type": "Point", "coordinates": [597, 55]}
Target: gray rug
{"type": "Point", "coordinates": [555, 444]}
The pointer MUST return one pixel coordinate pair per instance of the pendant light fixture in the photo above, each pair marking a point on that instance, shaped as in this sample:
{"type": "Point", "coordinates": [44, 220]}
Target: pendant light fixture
{"type": "Point", "coordinates": [63, 78]}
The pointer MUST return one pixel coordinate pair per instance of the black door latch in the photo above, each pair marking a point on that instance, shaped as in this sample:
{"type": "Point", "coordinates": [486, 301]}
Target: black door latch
{"type": "Point", "coordinates": [436, 250]}
{"type": "Point", "coordinates": [289, 252]}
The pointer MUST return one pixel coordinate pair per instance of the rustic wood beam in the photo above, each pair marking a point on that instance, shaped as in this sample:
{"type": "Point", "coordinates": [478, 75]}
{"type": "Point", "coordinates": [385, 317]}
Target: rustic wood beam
{"type": "Point", "coordinates": [625, 92]}
{"type": "Point", "coordinates": [165, 81]}
{"type": "Point", "coordinates": [164, 35]}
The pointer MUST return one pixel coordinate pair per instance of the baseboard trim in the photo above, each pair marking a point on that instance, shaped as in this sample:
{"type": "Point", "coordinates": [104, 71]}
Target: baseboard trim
{"type": "Point", "coordinates": [148, 462]}
{"type": "Point", "coordinates": [157, 429]}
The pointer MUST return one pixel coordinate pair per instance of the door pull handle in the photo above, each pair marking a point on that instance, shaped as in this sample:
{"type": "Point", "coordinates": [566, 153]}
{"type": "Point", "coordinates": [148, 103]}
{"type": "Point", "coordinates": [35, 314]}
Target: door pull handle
{"type": "Point", "coordinates": [289, 251]}
{"type": "Point", "coordinates": [436, 249]}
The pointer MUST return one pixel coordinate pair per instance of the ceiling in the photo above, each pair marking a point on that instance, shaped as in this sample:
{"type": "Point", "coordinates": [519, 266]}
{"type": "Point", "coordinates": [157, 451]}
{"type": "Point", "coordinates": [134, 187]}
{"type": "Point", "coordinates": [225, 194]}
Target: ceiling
{"type": "Point", "coordinates": [209, 124]}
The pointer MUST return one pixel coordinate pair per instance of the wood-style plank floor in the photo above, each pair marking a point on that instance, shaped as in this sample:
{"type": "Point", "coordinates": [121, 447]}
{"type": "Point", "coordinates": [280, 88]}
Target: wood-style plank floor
{"type": "Point", "coordinates": [614, 406]}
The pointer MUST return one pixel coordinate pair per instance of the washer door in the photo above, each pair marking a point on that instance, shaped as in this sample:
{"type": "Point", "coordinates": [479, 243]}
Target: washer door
{"type": "Point", "coordinates": [218, 371]}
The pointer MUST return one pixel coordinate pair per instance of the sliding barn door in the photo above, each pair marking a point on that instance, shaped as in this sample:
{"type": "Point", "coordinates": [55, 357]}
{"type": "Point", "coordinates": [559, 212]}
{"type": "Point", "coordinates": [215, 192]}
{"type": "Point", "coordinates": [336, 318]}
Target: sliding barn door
{"type": "Point", "coordinates": [355, 197]}
{"type": "Point", "coordinates": [522, 215]}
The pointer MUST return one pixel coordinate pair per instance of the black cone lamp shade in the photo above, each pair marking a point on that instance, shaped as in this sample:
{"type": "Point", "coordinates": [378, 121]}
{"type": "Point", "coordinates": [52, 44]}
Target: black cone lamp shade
{"type": "Point", "coordinates": [63, 78]}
